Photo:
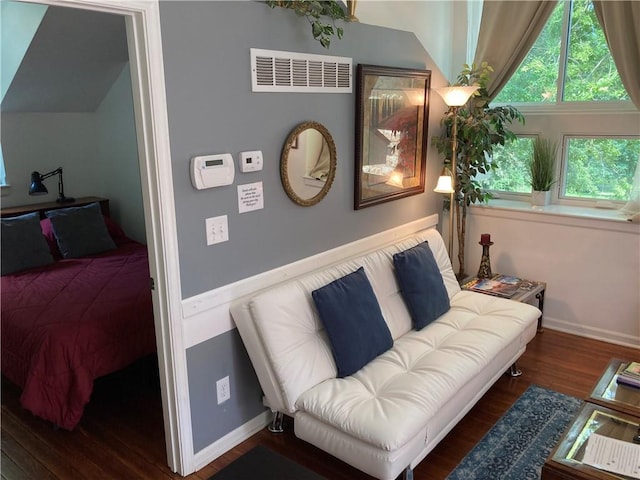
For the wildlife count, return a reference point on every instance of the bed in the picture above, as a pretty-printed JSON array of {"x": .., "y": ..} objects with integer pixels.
[{"x": 72, "y": 318}]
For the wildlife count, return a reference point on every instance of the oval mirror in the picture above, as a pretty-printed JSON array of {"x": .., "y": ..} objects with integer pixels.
[{"x": 308, "y": 163}]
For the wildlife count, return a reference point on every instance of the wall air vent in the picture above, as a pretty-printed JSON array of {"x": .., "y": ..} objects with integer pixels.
[{"x": 274, "y": 71}]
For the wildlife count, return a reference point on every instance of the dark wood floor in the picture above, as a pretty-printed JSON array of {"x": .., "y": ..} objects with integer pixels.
[{"x": 121, "y": 435}]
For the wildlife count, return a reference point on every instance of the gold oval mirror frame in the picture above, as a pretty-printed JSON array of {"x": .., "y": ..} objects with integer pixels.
[{"x": 308, "y": 163}]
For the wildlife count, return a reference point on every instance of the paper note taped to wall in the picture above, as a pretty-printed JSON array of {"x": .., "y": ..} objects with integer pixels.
[{"x": 250, "y": 197}]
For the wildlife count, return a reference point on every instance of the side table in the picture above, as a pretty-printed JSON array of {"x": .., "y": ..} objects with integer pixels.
[{"x": 528, "y": 290}]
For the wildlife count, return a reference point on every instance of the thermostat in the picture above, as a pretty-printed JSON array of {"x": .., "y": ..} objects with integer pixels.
[
  {"x": 212, "y": 171},
  {"x": 250, "y": 161}
]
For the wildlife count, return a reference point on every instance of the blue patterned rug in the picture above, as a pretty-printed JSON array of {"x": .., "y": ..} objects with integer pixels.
[{"x": 516, "y": 447}]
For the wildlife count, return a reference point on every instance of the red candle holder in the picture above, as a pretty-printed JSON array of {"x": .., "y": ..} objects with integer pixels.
[{"x": 485, "y": 263}]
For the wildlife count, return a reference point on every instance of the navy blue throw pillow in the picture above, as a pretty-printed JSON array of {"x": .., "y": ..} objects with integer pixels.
[
  {"x": 23, "y": 245},
  {"x": 80, "y": 231},
  {"x": 350, "y": 313},
  {"x": 421, "y": 284}
]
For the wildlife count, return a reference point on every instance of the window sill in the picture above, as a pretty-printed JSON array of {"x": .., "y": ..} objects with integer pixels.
[{"x": 590, "y": 217}]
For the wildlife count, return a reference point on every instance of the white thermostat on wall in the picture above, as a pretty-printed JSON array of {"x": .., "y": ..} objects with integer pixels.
[{"x": 209, "y": 171}]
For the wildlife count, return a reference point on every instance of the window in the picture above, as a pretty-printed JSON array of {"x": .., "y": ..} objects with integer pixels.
[
  {"x": 3, "y": 174},
  {"x": 599, "y": 168},
  {"x": 512, "y": 174},
  {"x": 571, "y": 47},
  {"x": 569, "y": 90}
]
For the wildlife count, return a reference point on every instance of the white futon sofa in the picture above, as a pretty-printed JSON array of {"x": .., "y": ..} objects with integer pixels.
[{"x": 385, "y": 418}]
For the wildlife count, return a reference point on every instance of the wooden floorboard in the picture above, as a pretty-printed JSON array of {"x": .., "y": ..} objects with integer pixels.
[{"x": 121, "y": 433}]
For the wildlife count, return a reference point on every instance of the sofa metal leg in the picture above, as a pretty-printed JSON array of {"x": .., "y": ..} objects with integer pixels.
[
  {"x": 407, "y": 474},
  {"x": 514, "y": 371},
  {"x": 276, "y": 423}
]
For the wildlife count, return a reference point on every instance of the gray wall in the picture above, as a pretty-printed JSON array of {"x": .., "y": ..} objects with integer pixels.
[
  {"x": 118, "y": 157},
  {"x": 212, "y": 110},
  {"x": 44, "y": 142},
  {"x": 208, "y": 362}
]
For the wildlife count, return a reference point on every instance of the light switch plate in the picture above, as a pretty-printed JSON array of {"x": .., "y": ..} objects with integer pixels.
[
  {"x": 217, "y": 229},
  {"x": 250, "y": 161}
]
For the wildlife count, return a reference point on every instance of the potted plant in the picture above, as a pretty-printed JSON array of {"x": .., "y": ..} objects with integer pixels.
[
  {"x": 480, "y": 127},
  {"x": 315, "y": 11},
  {"x": 542, "y": 169}
]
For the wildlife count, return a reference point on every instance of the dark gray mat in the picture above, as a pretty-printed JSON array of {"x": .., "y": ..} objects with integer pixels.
[{"x": 265, "y": 464}]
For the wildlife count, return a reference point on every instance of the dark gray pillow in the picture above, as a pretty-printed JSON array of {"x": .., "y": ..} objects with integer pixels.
[
  {"x": 23, "y": 245},
  {"x": 80, "y": 231}
]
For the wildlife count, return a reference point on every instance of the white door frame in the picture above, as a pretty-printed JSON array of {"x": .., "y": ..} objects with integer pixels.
[{"x": 152, "y": 129}]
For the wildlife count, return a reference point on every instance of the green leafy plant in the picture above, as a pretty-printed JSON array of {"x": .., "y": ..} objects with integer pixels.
[
  {"x": 480, "y": 127},
  {"x": 542, "y": 164},
  {"x": 315, "y": 11}
]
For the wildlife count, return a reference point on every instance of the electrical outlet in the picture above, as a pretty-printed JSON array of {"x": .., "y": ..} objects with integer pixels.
[{"x": 223, "y": 390}]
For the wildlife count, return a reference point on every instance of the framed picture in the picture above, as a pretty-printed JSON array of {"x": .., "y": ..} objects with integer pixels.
[{"x": 392, "y": 111}]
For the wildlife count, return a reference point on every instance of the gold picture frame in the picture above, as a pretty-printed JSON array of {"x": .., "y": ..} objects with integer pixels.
[{"x": 392, "y": 112}]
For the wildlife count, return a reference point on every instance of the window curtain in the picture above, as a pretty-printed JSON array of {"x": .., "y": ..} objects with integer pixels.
[
  {"x": 507, "y": 31},
  {"x": 621, "y": 24}
]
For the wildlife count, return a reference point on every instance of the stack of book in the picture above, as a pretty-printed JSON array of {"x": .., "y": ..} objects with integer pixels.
[{"x": 630, "y": 375}]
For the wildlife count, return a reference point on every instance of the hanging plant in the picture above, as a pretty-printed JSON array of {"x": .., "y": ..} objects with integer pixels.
[{"x": 316, "y": 11}]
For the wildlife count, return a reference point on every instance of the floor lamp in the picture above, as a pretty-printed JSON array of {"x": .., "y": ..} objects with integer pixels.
[{"x": 454, "y": 97}]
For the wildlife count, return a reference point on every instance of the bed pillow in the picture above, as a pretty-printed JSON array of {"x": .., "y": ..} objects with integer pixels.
[
  {"x": 80, "y": 231},
  {"x": 115, "y": 231},
  {"x": 421, "y": 284},
  {"x": 350, "y": 313},
  {"x": 23, "y": 245}
]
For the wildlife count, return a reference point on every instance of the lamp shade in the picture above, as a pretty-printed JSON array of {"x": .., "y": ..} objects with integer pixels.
[
  {"x": 457, "y": 95},
  {"x": 37, "y": 187},
  {"x": 444, "y": 185},
  {"x": 445, "y": 182}
]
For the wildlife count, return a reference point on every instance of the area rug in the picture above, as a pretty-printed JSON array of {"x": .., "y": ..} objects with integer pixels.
[
  {"x": 264, "y": 464},
  {"x": 516, "y": 447}
]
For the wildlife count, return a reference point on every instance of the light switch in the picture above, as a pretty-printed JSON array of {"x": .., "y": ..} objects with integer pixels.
[
  {"x": 250, "y": 161},
  {"x": 217, "y": 229}
]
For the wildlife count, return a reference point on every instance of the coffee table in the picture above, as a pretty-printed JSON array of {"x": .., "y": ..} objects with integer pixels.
[{"x": 612, "y": 410}]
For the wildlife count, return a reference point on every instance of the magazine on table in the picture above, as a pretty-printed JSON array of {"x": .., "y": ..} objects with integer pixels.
[{"x": 499, "y": 285}]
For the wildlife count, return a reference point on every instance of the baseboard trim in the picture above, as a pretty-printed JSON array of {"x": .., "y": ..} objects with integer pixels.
[
  {"x": 591, "y": 332},
  {"x": 230, "y": 440}
]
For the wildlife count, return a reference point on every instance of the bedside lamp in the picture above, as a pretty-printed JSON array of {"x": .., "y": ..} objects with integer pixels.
[{"x": 38, "y": 188}]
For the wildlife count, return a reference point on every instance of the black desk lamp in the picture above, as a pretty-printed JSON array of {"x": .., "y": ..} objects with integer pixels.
[{"x": 38, "y": 188}]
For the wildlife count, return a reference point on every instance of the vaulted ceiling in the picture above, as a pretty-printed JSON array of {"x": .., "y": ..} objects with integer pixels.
[{"x": 71, "y": 63}]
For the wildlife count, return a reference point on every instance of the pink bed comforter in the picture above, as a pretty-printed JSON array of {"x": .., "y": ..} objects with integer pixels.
[{"x": 69, "y": 323}]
